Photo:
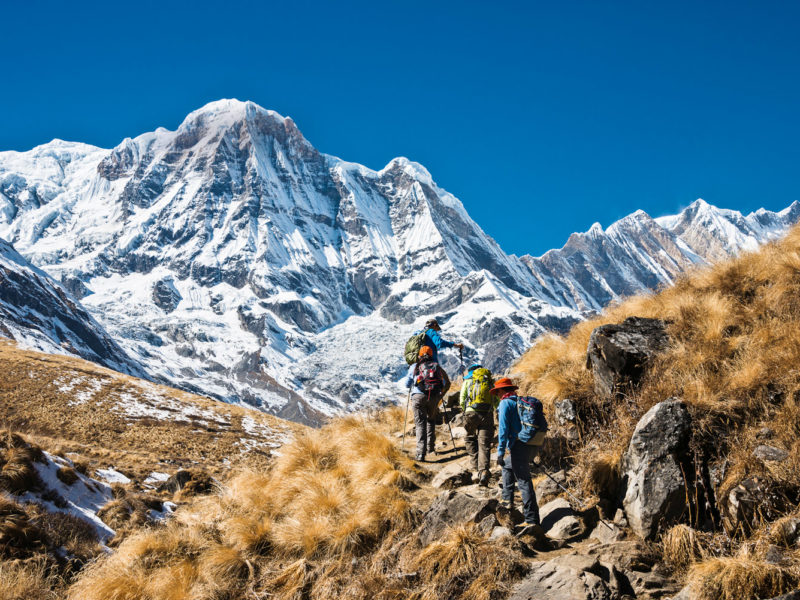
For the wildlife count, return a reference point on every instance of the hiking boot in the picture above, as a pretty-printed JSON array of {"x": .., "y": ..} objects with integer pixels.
[
  {"x": 475, "y": 477},
  {"x": 533, "y": 529},
  {"x": 483, "y": 479},
  {"x": 420, "y": 457}
]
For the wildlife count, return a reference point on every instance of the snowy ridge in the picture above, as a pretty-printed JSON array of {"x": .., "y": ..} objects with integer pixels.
[{"x": 232, "y": 258}]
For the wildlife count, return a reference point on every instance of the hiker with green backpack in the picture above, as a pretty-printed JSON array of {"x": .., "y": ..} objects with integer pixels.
[
  {"x": 478, "y": 405},
  {"x": 428, "y": 336}
]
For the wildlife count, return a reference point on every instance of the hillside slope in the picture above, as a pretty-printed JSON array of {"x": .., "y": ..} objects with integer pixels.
[{"x": 734, "y": 332}]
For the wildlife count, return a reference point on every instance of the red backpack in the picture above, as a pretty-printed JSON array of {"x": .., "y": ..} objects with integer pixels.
[{"x": 428, "y": 378}]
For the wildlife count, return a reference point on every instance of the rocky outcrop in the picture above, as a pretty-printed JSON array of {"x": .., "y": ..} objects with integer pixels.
[
  {"x": 454, "y": 508},
  {"x": 653, "y": 468},
  {"x": 165, "y": 296},
  {"x": 453, "y": 475},
  {"x": 599, "y": 572},
  {"x": 618, "y": 354}
]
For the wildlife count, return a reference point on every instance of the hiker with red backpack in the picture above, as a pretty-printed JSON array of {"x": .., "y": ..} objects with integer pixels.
[
  {"x": 478, "y": 405},
  {"x": 522, "y": 428},
  {"x": 427, "y": 382}
]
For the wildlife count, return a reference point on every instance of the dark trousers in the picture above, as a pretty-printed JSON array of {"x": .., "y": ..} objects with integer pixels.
[
  {"x": 480, "y": 432},
  {"x": 517, "y": 468},
  {"x": 424, "y": 408}
]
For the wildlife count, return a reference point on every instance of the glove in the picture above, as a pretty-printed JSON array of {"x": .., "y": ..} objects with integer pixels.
[
  {"x": 459, "y": 346},
  {"x": 500, "y": 462}
]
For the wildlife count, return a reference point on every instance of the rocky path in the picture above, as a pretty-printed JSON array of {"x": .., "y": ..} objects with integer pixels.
[{"x": 582, "y": 557}]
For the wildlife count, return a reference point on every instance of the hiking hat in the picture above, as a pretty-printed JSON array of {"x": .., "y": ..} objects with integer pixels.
[
  {"x": 425, "y": 351},
  {"x": 504, "y": 383},
  {"x": 432, "y": 324}
]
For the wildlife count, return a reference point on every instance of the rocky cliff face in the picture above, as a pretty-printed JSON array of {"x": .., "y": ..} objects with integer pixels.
[
  {"x": 232, "y": 258},
  {"x": 37, "y": 312}
]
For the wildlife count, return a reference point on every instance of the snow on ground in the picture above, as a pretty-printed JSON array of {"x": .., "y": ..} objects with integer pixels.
[
  {"x": 83, "y": 499},
  {"x": 111, "y": 475}
]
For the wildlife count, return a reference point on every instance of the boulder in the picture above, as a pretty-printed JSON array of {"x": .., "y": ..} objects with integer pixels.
[
  {"x": 559, "y": 521},
  {"x": 452, "y": 475},
  {"x": 770, "y": 453},
  {"x": 565, "y": 411},
  {"x": 607, "y": 532},
  {"x": 488, "y": 524},
  {"x": 547, "y": 487},
  {"x": 618, "y": 354},
  {"x": 458, "y": 433},
  {"x": 569, "y": 576},
  {"x": 499, "y": 532},
  {"x": 453, "y": 508},
  {"x": 653, "y": 478}
]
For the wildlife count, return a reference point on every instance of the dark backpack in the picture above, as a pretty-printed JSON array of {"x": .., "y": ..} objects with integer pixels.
[
  {"x": 428, "y": 378},
  {"x": 534, "y": 425},
  {"x": 413, "y": 345}
]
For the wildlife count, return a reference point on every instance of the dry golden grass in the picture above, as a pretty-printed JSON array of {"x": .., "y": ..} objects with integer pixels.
[
  {"x": 331, "y": 518},
  {"x": 681, "y": 546},
  {"x": 740, "y": 578},
  {"x": 78, "y": 409},
  {"x": 26, "y": 581}
]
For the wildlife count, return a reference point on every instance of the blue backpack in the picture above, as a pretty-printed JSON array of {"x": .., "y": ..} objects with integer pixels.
[{"x": 534, "y": 425}]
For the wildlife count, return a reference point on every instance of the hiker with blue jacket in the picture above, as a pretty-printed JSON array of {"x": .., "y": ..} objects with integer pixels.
[
  {"x": 434, "y": 339},
  {"x": 478, "y": 405},
  {"x": 428, "y": 382},
  {"x": 522, "y": 426}
]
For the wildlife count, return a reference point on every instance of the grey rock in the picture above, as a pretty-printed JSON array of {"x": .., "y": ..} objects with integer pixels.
[
  {"x": 570, "y": 576},
  {"x": 499, "y": 532},
  {"x": 165, "y": 295},
  {"x": 618, "y": 354},
  {"x": 559, "y": 521},
  {"x": 655, "y": 491},
  {"x": 488, "y": 524},
  {"x": 565, "y": 411},
  {"x": 794, "y": 595},
  {"x": 607, "y": 532},
  {"x": 547, "y": 487},
  {"x": 453, "y": 508},
  {"x": 458, "y": 432},
  {"x": 452, "y": 475},
  {"x": 770, "y": 453}
]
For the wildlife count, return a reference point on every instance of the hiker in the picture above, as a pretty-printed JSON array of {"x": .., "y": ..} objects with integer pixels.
[
  {"x": 428, "y": 382},
  {"x": 478, "y": 404},
  {"x": 515, "y": 449},
  {"x": 434, "y": 340}
]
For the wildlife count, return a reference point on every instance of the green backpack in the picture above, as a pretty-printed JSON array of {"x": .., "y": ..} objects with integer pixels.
[
  {"x": 479, "y": 396},
  {"x": 413, "y": 345}
]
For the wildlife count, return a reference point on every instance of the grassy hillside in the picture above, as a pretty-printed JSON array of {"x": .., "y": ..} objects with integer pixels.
[
  {"x": 735, "y": 359},
  {"x": 73, "y": 406}
]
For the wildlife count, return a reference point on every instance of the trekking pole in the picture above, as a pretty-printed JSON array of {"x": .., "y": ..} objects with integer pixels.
[
  {"x": 580, "y": 504},
  {"x": 461, "y": 360},
  {"x": 405, "y": 422},
  {"x": 452, "y": 439}
]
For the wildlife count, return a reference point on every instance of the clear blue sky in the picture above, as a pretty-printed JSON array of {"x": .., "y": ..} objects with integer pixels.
[{"x": 542, "y": 117}]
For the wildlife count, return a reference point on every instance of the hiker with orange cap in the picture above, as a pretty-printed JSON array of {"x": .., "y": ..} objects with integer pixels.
[
  {"x": 521, "y": 432},
  {"x": 428, "y": 382}
]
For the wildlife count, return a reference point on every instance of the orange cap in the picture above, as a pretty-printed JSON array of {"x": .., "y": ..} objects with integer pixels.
[
  {"x": 425, "y": 351},
  {"x": 503, "y": 383}
]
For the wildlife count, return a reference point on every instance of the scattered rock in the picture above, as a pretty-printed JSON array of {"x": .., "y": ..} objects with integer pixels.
[
  {"x": 453, "y": 508},
  {"x": 776, "y": 556},
  {"x": 606, "y": 532},
  {"x": 655, "y": 490},
  {"x": 565, "y": 411},
  {"x": 770, "y": 453},
  {"x": 458, "y": 420},
  {"x": 569, "y": 576},
  {"x": 488, "y": 524},
  {"x": 451, "y": 476},
  {"x": 165, "y": 295},
  {"x": 765, "y": 433},
  {"x": 499, "y": 532},
  {"x": 618, "y": 354},
  {"x": 458, "y": 433},
  {"x": 547, "y": 487},
  {"x": 559, "y": 521}
]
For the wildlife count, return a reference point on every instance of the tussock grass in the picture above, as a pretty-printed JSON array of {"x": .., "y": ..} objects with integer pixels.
[
  {"x": 332, "y": 518},
  {"x": 26, "y": 581},
  {"x": 681, "y": 546},
  {"x": 740, "y": 578}
]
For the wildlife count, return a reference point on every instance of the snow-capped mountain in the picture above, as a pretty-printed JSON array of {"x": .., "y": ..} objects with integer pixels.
[
  {"x": 37, "y": 312},
  {"x": 231, "y": 257}
]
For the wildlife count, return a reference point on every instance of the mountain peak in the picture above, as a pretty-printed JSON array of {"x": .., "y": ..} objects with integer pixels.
[
  {"x": 411, "y": 168},
  {"x": 229, "y": 111}
]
